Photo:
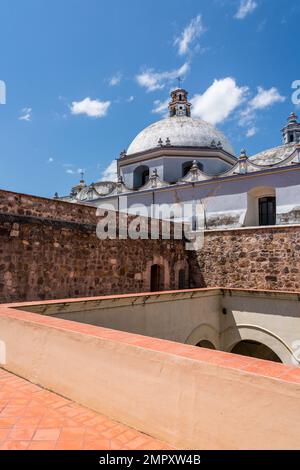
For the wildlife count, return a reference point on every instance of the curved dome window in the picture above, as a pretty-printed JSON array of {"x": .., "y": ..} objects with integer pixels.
[
  {"x": 140, "y": 176},
  {"x": 188, "y": 165}
]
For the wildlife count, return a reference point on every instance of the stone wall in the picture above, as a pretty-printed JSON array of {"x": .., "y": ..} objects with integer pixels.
[
  {"x": 34, "y": 206},
  {"x": 49, "y": 249},
  {"x": 259, "y": 258}
]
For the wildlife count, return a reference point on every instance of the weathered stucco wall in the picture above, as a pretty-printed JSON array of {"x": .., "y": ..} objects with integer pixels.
[
  {"x": 224, "y": 317},
  {"x": 49, "y": 249},
  {"x": 259, "y": 258},
  {"x": 191, "y": 397}
]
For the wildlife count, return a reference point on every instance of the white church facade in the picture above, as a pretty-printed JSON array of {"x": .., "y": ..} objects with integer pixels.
[{"x": 179, "y": 159}]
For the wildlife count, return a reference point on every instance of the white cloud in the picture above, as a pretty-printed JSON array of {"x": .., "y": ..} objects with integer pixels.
[
  {"x": 219, "y": 100},
  {"x": 110, "y": 173},
  {"x": 152, "y": 80},
  {"x": 262, "y": 100},
  {"x": 251, "y": 132},
  {"x": 92, "y": 108},
  {"x": 160, "y": 107},
  {"x": 26, "y": 114},
  {"x": 115, "y": 79},
  {"x": 247, "y": 117},
  {"x": 245, "y": 8},
  {"x": 266, "y": 98},
  {"x": 191, "y": 32},
  {"x": 75, "y": 171}
]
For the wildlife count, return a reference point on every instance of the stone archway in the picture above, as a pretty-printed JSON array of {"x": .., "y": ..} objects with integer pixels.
[
  {"x": 181, "y": 275},
  {"x": 157, "y": 278},
  {"x": 163, "y": 274}
]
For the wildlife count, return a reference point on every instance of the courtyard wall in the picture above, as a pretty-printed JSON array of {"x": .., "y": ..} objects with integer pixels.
[
  {"x": 257, "y": 257},
  {"x": 49, "y": 249}
]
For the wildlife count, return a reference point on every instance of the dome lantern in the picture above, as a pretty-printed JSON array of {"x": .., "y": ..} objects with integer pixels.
[
  {"x": 179, "y": 129},
  {"x": 179, "y": 105},
  {"x": 291, "y": 132}
]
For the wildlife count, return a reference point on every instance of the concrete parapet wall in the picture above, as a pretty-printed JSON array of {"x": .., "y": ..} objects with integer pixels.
[{"x": 190, "y": 397}]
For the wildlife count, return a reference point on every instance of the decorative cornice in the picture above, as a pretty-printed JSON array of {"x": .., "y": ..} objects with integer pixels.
[
  {"x": 175, "y": 151},
  {"x": 234, "y": 177}
]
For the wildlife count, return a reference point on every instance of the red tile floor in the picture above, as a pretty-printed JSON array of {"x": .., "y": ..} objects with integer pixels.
[{"x": 34, "y": 418}]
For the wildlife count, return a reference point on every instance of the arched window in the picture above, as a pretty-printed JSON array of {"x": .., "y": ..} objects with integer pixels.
[
  {"x": 261, "y": 206},
  {"x": 140, "y": 176},
  {"x": 145, "y": 177},
  {"x": 267, "y": 210},
  {"x": 188, "y": 165}
]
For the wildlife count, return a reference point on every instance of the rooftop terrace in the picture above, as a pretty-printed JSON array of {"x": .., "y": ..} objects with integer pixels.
[
  {"x": 185, "y": 396},
  {"x": 34, "y": 418}
]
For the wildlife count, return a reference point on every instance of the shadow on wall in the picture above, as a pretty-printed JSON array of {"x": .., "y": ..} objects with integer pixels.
[
  {"x": 196, "y": 278},
  {"x": 251, "y": 339},
  {"x": 255, "y": 349},
  {"x": 245, "y": 340}
]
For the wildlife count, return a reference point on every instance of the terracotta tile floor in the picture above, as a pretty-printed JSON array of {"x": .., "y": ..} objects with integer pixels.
[{"x": 34, "y": 418}]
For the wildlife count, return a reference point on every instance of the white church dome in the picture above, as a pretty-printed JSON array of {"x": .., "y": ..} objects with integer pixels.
[{"x": 183, "y": 131}]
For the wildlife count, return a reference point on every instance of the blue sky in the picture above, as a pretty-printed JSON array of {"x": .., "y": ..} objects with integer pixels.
[{"x": 83, "y": 77}]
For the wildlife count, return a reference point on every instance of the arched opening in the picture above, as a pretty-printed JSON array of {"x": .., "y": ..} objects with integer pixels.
[
  {"x": 181, "y": 279},
  {"x": 156, "y": 278},
  {"x": 255, "y": 349},
  {"x": 205, "y": 344},
  {"x": 188, "y": 165},
  {"x": 140, "y": 176},
  {"x": 261, "y": 207}
]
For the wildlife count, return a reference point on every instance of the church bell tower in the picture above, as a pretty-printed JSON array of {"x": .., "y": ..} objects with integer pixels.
[
  {"x": 291, "y": 132},
  {"x": 179, "y": 105}
]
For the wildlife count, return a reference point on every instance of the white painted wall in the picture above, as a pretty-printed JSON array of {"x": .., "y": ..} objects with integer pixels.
[
  {"x": 170, "y": 168},
  {"x": 235, "y": 196}
]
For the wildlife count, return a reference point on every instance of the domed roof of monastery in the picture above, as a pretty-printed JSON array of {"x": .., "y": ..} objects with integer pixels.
[
  {"x": 274, "y": 155},
  {"x": 182, "y": 131}
]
